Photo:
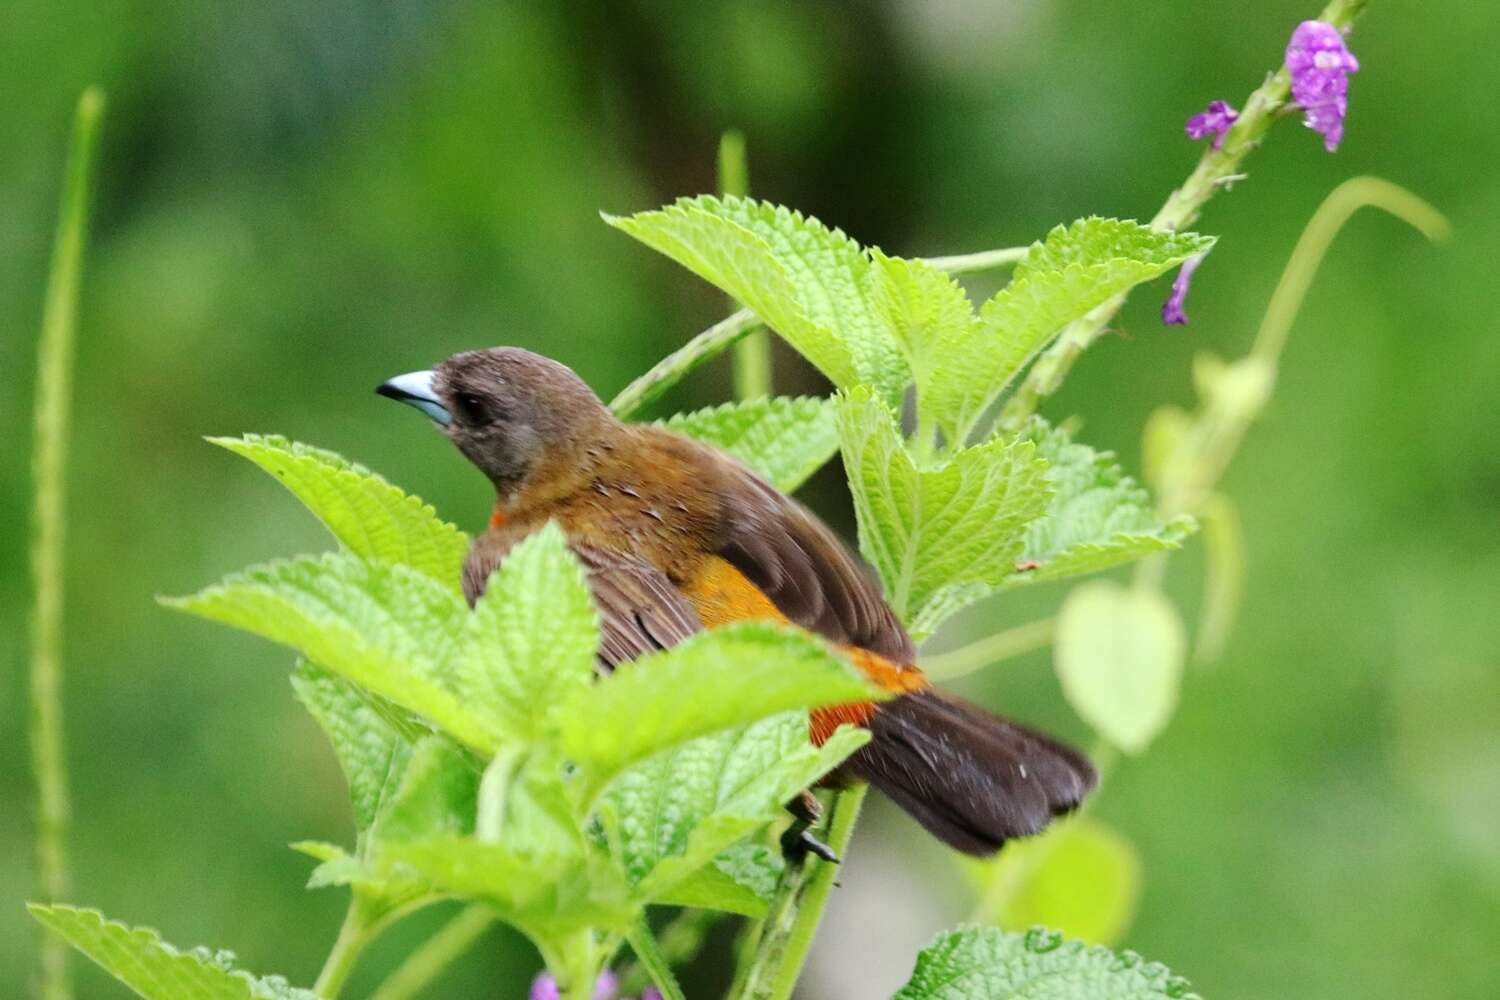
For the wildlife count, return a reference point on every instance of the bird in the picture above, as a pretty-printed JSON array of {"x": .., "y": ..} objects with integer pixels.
[{"x": 676, "y": 536}]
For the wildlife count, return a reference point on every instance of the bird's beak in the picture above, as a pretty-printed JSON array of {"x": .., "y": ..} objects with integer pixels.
[{"x": 415, "y": 389}]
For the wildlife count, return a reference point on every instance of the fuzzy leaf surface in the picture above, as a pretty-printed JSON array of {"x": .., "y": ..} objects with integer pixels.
[
  {"x": 783, "y": 439},
  {"x": 530, "y": 642},
  {"x": 369, "y": 516},
  {"x": 740, "y": 879},
  {"x": 983, "y": 963},
  {"x": 436, "y": 796},
  {"x": 370, "y": 751},
  {"x": 806, "y": 281},
  {"x": 938, "y": 536},
  {"x": 388, "y": 628},
  {"x": 1098, "y": 516},
  {"x": 139, "y": 958},
  {"x": 675, "y": 813},
  {"x": 1075, "y": 269},
  {"x": 932, "y": 320},
  {"x": 547, "y": 894},
  {"x": 716, "y": 680}
]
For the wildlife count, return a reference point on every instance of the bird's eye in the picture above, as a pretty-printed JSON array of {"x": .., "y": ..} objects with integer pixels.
[{"x": 472, "y": 409}]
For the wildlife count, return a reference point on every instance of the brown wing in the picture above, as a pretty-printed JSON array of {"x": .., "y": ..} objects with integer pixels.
[
  {"x": 640, "y": 611},
  {"x": 805, "y": 569}
]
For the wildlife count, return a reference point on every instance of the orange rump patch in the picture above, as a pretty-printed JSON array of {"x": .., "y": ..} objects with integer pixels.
[{"x": 722, "y": 594}]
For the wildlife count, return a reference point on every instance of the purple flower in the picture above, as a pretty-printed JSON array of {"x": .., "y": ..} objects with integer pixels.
[
  {"x": 544, "y": 987},
  {"x": 1172, "y": 313},
  {"x": 1320, "y": 63},
  {"x": 651, "y": 993},
  {"x": 1213, "y": 120}
]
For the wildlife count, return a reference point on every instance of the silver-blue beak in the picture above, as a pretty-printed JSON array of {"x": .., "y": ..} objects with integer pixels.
[{"x": 415, "y": 389}]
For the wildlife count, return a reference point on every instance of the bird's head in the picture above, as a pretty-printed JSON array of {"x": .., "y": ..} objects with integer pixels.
[{"x": 514, "y": 414}]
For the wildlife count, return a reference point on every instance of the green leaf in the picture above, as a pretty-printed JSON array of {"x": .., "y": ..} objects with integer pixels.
[
  {"x": 1120, "y": 244},
  {"x": 982, "y": 963},
  {"x": 436, "y": 797},
  {"x": 510, "y": 879},
  {"x": 932, "y": 320},
  {"x": 1076, "y": 269},
  {"x": 523, "y": 802},
  {"x": 1080, "y": 876},
  {"x": 530, "y": 642},
  {"x": 718, "y": 679},
  {"x": 342, "y": 868},
  {"x": 389, "y": 629},
  {"x": 139, "y": 958},
  {"x": 370, "y": 752},
  {"x": 939, "y": 536},
  {"x": 369, "y": 516},
  {"x": 1098, "y": 516},
  {"x": 807, "y": 282},
  {"x": 1119, "y": 654},
  {"x": 785, "y": 440},
  {"x": 547, "y": 894},
  {"x": 739, "y": 880},
  {"x": 675, "y": 813}
]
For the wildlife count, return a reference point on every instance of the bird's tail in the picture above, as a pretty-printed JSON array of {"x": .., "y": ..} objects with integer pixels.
[{"x": 971, "y": 778}]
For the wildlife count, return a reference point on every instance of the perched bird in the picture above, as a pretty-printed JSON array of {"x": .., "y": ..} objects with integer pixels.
[{"x": 676, "y": 536}]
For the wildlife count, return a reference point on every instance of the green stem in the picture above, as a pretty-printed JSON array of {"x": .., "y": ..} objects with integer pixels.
[
  {"x": 707, "y": 345},
  {"x": 650, "y": 955},
  {"x": 435, "y": 954},
  {"x": 361, "y": 923},
  {"x": 984, "y": 260},
  {"x": 1151, "y": 571},
  {"x": 1215, "y": 169},
  {"x": 679, "y": 941},
  {"x": 752, "y": 354},
  {"x": 1302, "y": 266},
  {"x": 980, "y": 653},
  {"x": 746, "y": 945},
  {"x": 670, "y": 370},
  {"x": 54, "y": 391},
  {"x": 582, "y": 963},
  {"x": 1225, "y": 419},
  {"x": 797, "y": 908}
]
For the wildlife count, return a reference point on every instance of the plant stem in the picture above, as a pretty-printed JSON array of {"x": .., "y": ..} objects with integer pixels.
[
  {"x": 752, "y": 354},
  {"x": 1182, "y": 207},
  {"x": 792, "y": 920},
  {"x": 980, "y": 653},
  {"x": 54, "y": 391},
  {"x": 669, "y": 370},
  {"x": 582, "y": 963},
  {"x": 1225, "y": 417},
  {"x": 984, "y": 260},
  {"x": 649, "y": 954},
  {"x": 361, "y": 923},
  {"x": 706, "y": 346},
  {"x": 745, "y": 951},
  {"x": 679, "y": 941},
  {"x": 435, "y": 954},
  {"x": 1302, "y": 266}
]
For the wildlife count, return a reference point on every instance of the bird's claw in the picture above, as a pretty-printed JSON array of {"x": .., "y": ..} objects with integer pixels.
[{"x": 798, "y": 842}]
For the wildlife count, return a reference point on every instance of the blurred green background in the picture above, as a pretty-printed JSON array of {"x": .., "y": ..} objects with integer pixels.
[{"x": 298, "y": 199}]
